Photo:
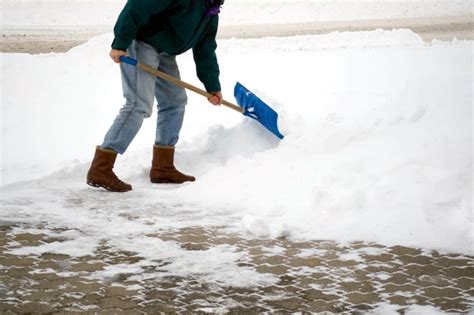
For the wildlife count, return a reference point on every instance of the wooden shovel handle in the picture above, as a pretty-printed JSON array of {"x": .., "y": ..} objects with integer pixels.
[{"x": 185, "y": 85}]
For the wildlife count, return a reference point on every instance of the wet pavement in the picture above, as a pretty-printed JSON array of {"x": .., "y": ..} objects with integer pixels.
[{"x": 310, "y": 276}]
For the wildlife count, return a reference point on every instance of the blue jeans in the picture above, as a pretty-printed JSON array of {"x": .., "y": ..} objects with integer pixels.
[{"x": 140, "y": 89}]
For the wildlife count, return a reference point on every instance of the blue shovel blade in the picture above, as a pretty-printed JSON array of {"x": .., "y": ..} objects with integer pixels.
[{"x": 255, "y": 108}]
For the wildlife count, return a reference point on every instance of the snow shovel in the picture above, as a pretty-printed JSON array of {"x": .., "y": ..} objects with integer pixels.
[{"x": 250, "y": 105}]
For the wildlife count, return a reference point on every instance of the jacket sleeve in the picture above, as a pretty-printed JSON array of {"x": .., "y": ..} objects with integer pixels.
[
  {"x": 205, "y": 58},
  {"x": 134, "y": 15}
]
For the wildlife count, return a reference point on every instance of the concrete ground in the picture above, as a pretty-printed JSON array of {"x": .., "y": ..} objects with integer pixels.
[
  {"x": 60, "y": 40},
  {"x": 315, "y": 276}
]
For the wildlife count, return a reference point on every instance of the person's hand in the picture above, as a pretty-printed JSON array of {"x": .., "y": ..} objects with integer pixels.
[
  {"x": 216, "y": 98},
  {"x": 116, "y": 54}
]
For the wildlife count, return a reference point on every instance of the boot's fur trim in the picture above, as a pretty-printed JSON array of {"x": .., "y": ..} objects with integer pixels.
[
  {"x": 105, "y": 149},
  {"x": 164, "y": 146}
]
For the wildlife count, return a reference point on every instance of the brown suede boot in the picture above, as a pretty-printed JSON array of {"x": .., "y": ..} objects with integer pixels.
[
  {"x": 162, "y": 167},
  {"x": 100, "y": 173}
]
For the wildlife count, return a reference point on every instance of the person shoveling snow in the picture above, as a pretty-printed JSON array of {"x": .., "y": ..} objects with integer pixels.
[
  {"x": 148, "y": 37},
  {"x": 155, "y": 32}
]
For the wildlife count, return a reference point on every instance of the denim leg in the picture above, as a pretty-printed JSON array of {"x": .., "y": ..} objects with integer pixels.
[
  {"x": 172, "y": 100},
  {"x": 138, "y": 90}
]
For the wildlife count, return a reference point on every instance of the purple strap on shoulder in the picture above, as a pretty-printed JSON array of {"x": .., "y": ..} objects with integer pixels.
[{"x": 214, "y": 10}]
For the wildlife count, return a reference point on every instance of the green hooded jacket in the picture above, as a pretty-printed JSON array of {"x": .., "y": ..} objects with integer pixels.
[{"x": 173, "y": 26}]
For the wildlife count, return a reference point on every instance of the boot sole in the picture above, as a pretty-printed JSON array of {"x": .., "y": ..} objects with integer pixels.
[
  {"x": 165, "y": 181},
  {"x": 97, "y": 185}
]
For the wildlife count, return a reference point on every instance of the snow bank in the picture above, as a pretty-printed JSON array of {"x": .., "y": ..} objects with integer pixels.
[{"x": 378, "y": 142}]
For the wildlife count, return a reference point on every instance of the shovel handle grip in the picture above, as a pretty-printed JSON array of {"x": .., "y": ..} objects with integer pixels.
[
  {"x": 128, "y": 60},
  {"x": 178, "y": 82}
]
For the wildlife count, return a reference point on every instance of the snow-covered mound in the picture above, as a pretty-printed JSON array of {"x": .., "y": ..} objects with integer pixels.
[{"x": 378, "y": 142}]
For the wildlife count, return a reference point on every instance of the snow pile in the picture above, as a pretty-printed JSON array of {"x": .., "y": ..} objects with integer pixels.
[{"x": 378, "y": 142}]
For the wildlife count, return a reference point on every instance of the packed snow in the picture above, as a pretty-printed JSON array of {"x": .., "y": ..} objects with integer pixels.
[{"x": 378, "y": 145}]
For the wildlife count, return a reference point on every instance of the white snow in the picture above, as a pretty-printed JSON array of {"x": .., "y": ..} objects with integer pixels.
[
  {"x": 386, "y": 309},
  {"x": 102, "y": 14},
  {"x": 382, "y": 276},
  {"x": 378, "y": 144}
]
